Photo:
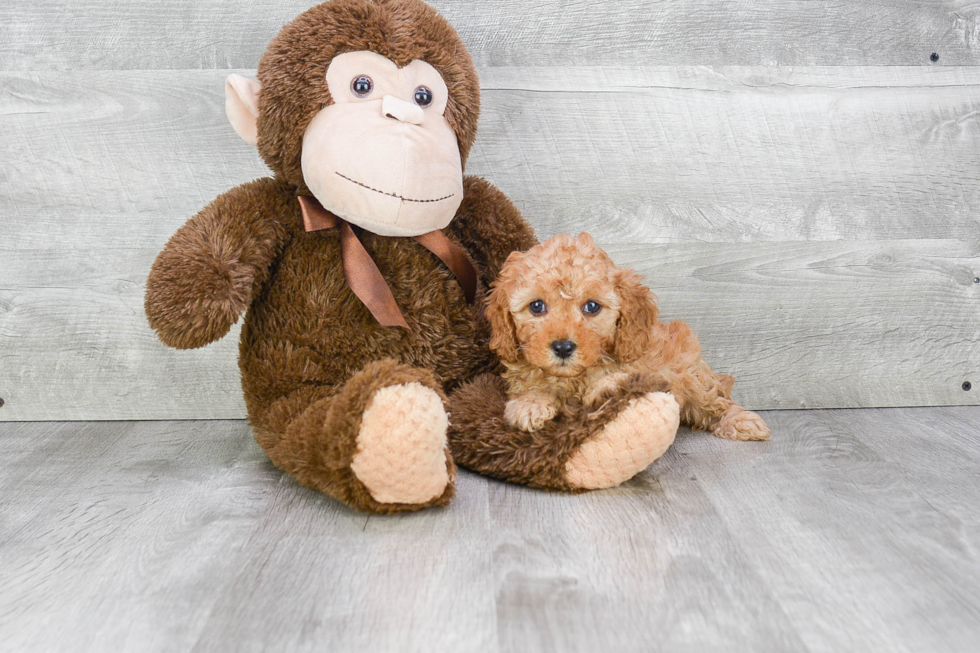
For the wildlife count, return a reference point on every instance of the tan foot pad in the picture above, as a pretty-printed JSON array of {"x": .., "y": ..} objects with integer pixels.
[
  {"x": 401, "y": 447},
  {"x": 639, "y": 435}
]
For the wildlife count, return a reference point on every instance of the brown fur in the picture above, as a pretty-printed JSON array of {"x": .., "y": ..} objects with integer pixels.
[
  {"x": 293, "y": 67},
  {"x": 311, "y": 434},
  {"x": 481, "y": 440},
  {"x": 623, "y": 338},
  {"x": 311, "y": 355}
]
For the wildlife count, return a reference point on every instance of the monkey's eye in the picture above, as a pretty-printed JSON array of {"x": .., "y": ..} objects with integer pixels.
[
  {"x": 361, "y": 86},
  {"x": 423, "y": 96},
  {"x": 591, "y": 307},
  {"x": 537, "y": 307}
]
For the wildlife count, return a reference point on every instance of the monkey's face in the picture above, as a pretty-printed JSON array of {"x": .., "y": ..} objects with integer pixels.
[
  {"x": 353, "y": 106},
  {"x": 383, "y": 155}
]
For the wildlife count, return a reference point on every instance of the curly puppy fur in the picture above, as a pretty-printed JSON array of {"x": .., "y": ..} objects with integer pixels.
[
  {"x": 570, "y": 277},
  {"x": 312, "y": 357}
]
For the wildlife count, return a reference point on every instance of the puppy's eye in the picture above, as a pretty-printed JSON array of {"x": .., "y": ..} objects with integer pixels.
[
  {"x": 537, "y": 307},
  {"x": 591, "y": 307},
  {"x": 423, "y": 96},
  {"x": 361, "y": 86}
]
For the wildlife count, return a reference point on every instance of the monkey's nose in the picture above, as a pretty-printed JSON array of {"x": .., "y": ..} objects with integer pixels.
[
  {"x": 392, "y": 107},
  {"x": 563, "y": 348}
]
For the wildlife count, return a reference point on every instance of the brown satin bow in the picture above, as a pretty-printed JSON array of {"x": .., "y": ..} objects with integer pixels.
[{"x": 362, "y": 273}]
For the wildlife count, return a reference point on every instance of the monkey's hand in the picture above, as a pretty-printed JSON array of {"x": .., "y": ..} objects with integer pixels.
[
  {"x": 530, "y": 412},
  {"x": 203, "y": 280}
]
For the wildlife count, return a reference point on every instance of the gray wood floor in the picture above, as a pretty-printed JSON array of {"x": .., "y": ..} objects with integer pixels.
[{"x": 851, "y": 531}]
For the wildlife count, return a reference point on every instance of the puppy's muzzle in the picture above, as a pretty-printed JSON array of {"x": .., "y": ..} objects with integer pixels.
[{"x": 563, "y": 348}]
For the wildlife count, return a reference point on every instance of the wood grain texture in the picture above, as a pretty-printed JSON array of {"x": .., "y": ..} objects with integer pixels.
[
  {"x": 126, "y": 34},
  {"x": 815, "y": 325},
  {"x": 859, "y": 487},
  {"x": 801, "y": 325},
  {"x": 737, "y": 154},
  {"x": 671, "y": 154},
  {"x": 725, "y": 174},
  {"x": 850, "y": 530}
]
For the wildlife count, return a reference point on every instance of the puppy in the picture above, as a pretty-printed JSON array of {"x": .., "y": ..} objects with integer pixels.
[{"x": 571, "y": 327}]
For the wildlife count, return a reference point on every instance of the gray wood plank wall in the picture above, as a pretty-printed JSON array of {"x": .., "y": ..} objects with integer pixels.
[{"x": 797, "y": 180}]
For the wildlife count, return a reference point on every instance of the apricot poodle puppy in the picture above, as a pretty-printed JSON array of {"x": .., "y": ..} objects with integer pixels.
[{"x": 571, "y": 327}]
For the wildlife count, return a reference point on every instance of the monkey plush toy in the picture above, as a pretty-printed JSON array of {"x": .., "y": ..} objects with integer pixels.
[{"x": 362, "y": 263}]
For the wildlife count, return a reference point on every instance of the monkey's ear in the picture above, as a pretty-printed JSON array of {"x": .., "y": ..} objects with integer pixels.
[{"x": 242, "y": 106}]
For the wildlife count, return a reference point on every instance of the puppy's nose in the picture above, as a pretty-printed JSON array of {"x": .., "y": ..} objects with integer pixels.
[{"x": 563, "y": 348}]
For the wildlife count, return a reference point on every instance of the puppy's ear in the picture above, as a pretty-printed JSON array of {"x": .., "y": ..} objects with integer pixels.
[
  {"x": 504, "y": 338},
  {"x": 638, "y": 314}
]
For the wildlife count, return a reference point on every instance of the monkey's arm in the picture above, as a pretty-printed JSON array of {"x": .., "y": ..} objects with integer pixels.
[
  {"x": 205, "y": 277},
  {"x": 490, "y": 226}
]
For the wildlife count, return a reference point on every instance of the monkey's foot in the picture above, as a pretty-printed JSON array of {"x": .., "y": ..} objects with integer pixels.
[
  {"x": 401, "y": 445},
  {"x": 627, "y": 445},
  {"x": 740, "y": 424}
]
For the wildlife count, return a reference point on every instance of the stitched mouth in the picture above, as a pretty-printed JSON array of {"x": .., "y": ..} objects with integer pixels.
[{"x": 404, "y": 199}]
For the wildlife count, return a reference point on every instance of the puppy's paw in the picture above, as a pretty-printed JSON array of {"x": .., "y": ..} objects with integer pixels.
[
  {"x": 740, "y": 424},
  {"x": 529, "y": 413},
  {"x": 604, "y": 388}
]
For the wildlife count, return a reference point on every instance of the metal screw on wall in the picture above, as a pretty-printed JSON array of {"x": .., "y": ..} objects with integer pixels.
[
  {"x": 967, "y": 386},
  {"x": 1, "y": 402},
  {"x": 934, "y": 57}
]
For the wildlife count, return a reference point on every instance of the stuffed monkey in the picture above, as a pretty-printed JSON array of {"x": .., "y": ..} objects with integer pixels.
[{"x": 362, "y": 263}]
